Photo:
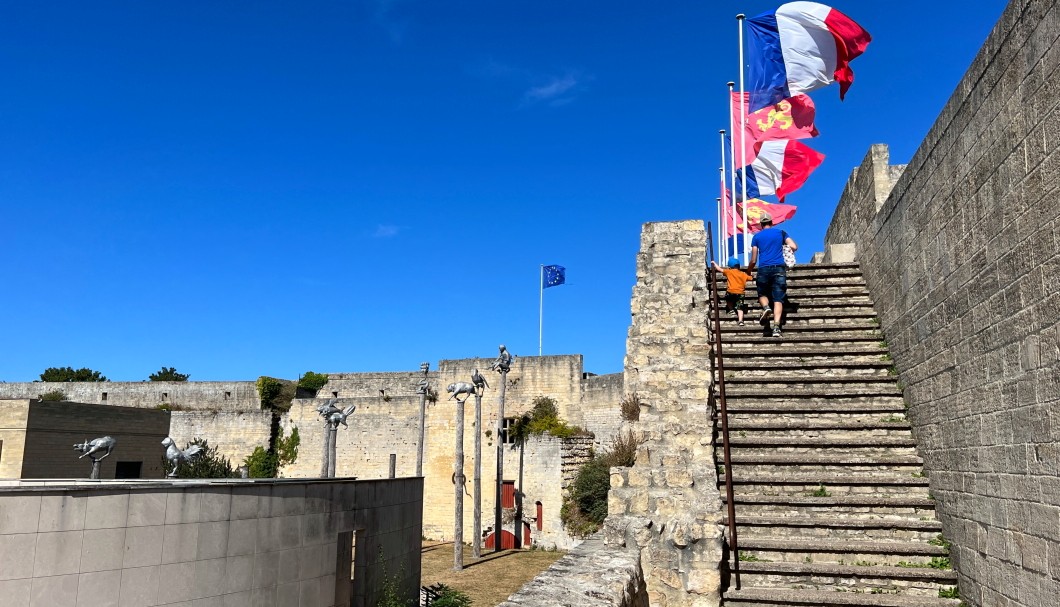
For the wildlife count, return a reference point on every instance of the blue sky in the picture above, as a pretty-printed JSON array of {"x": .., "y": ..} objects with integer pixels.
[{"x": 251, "y": 188}]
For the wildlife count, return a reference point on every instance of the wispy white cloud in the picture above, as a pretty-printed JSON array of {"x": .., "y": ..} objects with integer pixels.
[
  {"x": 550, "y": 90},
  {"x": 558, "y": 90},
  {"x": 385, "y": 231}
]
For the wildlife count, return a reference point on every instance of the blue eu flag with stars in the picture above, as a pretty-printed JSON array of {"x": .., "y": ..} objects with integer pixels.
[{"x": 554, "y": 276}]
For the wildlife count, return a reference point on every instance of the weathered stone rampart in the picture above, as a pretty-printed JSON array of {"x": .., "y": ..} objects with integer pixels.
[
  {"x": 963, "y": 262},
  {"x": 235, "y": 434},
  {"x": 667, "y": 505},
  {"x": 591, "y": 575},
  {"x": 186, "y": 395}
]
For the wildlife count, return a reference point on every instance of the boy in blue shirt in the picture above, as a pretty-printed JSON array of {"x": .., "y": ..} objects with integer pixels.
[{"x": 767, "y": 253}]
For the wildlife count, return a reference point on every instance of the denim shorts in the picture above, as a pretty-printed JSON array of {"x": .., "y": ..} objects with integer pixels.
[{"x": 772, "y": 282}]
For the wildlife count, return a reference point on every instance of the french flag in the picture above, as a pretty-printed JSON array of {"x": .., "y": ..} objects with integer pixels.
[
  {"x": 801, "y": 47},
  {"x": 780, "y": 168}
]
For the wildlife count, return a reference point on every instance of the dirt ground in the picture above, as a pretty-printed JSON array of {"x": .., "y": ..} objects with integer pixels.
[{"x": 488, "y": 580}]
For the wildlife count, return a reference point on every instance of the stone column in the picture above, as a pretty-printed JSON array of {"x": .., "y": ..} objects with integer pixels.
[
  {"x": 458, "y": 485},
  {"x": 497, "y": 527},
  {"x": 476, "y": 525}
]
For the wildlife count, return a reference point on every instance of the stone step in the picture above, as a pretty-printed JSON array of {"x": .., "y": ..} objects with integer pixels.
[
  {"x": 833, "y": 505},
  {"x": 805, "y": 425},
  {"x": 809, "y": 280},
  {"x": 798, "y": 442},
  {"x": 830, "y": 525},
  {"x": 808, "y": 389},
  {"x": 782, "y": 363},
  {"x": 771, "y": 349},
  {"x": 737, "y": 417},
  {"x": 803, "y": 337},
  {"x": 840, "y": 551},
  {"x": 829, "y": 480},
  {"x": 811, "y": 289},
  {"x": 835, "y": 331},
  {"x": 850, "y": 302},
  {"x": 873, "y": 580},
  {"x": 785, "y": 403},
  {"x": 758, "y": 485},
  {"x": 777, "y": 597}
]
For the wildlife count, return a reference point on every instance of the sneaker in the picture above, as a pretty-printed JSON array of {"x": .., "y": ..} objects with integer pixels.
[
  {"x": 741, "y": 323},
  {"x": 776, "y": 330},
  {"x": 766, "y": 314}
]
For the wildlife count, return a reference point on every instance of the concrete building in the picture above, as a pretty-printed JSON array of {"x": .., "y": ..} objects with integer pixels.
[
  {"x": 37, "y": 439},
  {"x": 311, "y": 543}
]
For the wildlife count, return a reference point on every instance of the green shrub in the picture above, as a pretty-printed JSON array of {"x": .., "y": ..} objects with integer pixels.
[
  {"x": 949, "y": 593},
  {"x": 276, "y": 393},
  {"x": 312, "y": 381},
  {"x": 585, "y": 505},
  {"x": 451, "y": 597},
  {"x": 54, "y": 396},
  {"x": 208, "y": 464},
  {"x": 631, "y": 408},
  {"x": 542, "y": 418},
  {"x": 266, "y": 463}
]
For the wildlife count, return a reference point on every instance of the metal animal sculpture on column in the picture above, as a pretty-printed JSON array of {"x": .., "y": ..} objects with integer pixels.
[
  {"x": 175, "y": 455},
  {"x": 93, "y": 449},
  {"x": 333, "y": 417}
]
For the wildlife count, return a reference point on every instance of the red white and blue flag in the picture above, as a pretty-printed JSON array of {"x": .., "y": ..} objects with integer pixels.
[
  {"x": 801, "y": 47},
  {"x": 779, "y": 168}
]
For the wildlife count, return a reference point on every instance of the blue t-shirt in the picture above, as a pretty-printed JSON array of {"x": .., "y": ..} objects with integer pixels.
[{"x": 770, "y": 242}]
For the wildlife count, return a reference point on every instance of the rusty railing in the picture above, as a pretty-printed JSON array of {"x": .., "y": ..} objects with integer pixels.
[{"x": 723, "y": 412}]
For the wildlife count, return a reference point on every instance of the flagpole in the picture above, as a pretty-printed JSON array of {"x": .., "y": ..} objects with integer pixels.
[
  {"x": 732, "y": 171},
  {"x": 540, "y": 310},
  {"x": 721, "y": 227},
  {"x": 743, "y": 142}
]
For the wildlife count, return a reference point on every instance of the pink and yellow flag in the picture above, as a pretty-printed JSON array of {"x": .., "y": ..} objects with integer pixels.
[
  {"x": 755, "y": 207},
  {"x": 789, "y": 119}
]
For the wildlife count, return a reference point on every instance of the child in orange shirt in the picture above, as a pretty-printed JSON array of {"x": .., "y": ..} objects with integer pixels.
[{"x": 737, "y": 284}]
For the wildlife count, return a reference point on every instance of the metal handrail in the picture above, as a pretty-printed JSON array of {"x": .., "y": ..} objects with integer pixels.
[{"x": 727, "y": 457}]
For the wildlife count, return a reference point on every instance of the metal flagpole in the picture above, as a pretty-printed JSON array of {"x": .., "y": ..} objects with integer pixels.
[
  {"x": 732, "y": 170},
  {"x": 722, "y": 228},
  {"x": 721, "y": 249},
  {"x": 541, "y": 310},
  {"x": 743, "y": 142}
]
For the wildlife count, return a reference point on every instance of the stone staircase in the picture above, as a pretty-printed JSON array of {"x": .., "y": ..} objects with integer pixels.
[{"x": 832, "y": 507}]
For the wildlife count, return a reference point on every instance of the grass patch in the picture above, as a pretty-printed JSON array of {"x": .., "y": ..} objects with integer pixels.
[
  {"x": 487, "y": 580},
  {"x": 892, "y": 419},
  {"x": 820, "y": 491},
  {"x": 949, "y": 593},
  {"x": 865, "y": 564},
  {"x": 940, "y": 541},
  {"x": 747, "y": 557},
  {"x": 919, "y": 474}
]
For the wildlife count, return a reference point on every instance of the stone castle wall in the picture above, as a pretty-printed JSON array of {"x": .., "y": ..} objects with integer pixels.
[
  {"x": 378, "y": 428},
  {"x": 963, "y": 262},
  {"x": 667, "y": 505},
  {"x": 187, "y": 395},
  {"x": 235, "y": 434}
]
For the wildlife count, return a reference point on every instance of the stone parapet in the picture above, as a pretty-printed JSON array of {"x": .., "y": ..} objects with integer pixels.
[
  {"x": 667, "y": 505},
  {"x": 592, "y": 575}
]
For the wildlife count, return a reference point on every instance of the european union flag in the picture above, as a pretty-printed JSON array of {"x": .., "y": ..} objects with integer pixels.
[{"x": 553, "y": 276}]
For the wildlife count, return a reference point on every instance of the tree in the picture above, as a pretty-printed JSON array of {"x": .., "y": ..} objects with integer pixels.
[
  {"x": 71, "y": 374},
  {"x": 168, "y": 374},
  {"x": 312, "y": 381}
]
